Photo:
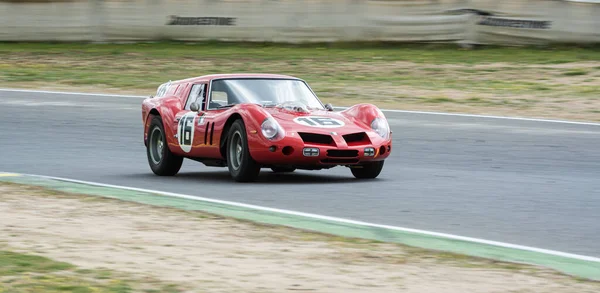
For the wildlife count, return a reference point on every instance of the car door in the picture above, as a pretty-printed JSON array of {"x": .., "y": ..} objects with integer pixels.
[{"x": 190, "y": 127}]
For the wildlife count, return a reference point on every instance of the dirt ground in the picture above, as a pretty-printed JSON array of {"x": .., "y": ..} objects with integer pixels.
[{"x": 205, "y": 253}]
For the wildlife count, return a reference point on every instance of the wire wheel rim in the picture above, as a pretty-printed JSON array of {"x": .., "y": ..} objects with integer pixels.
[
  {"x": 236, "y": 150},
  {"x": 157, "y": 145}
]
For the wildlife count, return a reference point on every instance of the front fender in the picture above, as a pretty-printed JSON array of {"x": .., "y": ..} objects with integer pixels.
[
  {"x": 253, "y": 116},
  {"x": 363, "y": 113}
]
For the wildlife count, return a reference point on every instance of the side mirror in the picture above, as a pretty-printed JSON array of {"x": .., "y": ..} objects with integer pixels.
[
  {"x": 195, "y": 107},
  {"x": 329, "y": 107}
]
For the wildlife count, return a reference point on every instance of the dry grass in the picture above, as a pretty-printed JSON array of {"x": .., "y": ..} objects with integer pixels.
[{"x": 559, "y": 83}]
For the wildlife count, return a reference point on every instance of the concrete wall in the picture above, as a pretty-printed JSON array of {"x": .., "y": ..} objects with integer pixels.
[
  {"x": 544, "y": 21},
  {"x": 467, "y": 21}
]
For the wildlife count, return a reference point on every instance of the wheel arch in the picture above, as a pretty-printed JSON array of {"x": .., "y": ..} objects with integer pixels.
[
  {"x": 223, "y": 139},
  {"x": 153, "y": 112}
]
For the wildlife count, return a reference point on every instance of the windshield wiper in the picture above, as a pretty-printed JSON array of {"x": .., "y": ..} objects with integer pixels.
[{"x": 226, "y": 106}]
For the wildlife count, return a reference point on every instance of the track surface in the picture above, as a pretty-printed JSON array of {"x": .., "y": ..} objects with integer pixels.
[{"x": 522, "y": 182}]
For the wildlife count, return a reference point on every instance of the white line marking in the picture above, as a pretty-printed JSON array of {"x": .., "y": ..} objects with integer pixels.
[
  {"x": 328, "y": 218},
  {"x": 487, "y": 116},
  {"x": 35, "y": 104},
  {"x": 2, "y": 174},
  {"x": 341, "y": 108},
  {"x": 70, "y": 93}
]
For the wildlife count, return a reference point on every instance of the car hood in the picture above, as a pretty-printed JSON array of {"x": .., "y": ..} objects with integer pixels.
[{"x": 317, "y": 121}]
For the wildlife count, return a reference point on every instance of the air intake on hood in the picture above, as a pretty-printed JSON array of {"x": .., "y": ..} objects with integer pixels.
[
  {"x": 316, "y": 138},
  {"x": 359, "y": 138}
]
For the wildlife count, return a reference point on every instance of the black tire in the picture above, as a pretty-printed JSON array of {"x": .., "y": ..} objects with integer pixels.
[
  {"x": 368, "y": 171},
  {"x": 239, "y": 162},
  {"x": 161, "y": 160},
  {"x": 283, "y": 169}
]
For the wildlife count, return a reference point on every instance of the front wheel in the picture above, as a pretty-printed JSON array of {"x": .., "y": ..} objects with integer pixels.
[
  {"x": 241, "y": 166},
  {"x": 368, "y": 171},
  {"x": 161, "y": 160}
]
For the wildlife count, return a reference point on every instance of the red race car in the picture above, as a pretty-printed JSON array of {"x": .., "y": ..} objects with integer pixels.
[{"x": 251, "y": 121}]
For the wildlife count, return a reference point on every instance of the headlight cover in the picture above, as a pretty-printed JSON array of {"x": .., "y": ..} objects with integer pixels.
[
  {"x": 381, "y": 126},
  {"x": 271, "y": 129}
]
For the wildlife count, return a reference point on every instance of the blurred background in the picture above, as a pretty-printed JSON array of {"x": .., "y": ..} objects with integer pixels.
[{"x": 464, "y": 21}]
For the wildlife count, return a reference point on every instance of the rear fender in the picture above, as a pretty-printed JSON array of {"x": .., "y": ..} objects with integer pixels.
[
  {"x": 166, "y": 108},
  {"x": 148, "y": 110}
]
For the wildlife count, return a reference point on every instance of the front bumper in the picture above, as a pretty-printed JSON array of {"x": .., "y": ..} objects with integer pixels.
[{"x": 293, "y": 150}]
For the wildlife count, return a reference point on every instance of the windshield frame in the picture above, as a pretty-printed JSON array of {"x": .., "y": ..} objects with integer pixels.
[{"x": 209, "y": 96}]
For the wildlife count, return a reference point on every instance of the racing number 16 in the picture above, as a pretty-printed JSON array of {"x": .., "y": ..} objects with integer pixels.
[
  {"x": 323, "y": 121},
  {"x": 185, "y": 130}
]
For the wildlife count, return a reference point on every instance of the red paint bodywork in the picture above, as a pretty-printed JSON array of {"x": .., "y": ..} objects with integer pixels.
[{"x": 357, "y": 118}]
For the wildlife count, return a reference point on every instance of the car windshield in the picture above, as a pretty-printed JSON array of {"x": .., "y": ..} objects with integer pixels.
[{"x": 266, "y": 92}]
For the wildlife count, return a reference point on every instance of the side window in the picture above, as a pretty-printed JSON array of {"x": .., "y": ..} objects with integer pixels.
[
  {"x": 180, "y": 89},
  {"x": 196, "y": 95},
  {"x": 218, "y": 95},
  {"x": 161, "y": 90},
  {"x": 218, "y": 99}
]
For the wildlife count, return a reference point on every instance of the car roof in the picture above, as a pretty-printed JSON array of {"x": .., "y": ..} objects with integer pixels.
[{"x": 207, "y": 78}]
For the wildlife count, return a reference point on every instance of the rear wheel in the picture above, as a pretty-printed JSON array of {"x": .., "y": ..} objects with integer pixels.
[
  {"x": 161, "y": 160},
  {"x": 368, "y": 171},
  {"x": 283, "y": 169},
  {"x": 241, "y": 166}
]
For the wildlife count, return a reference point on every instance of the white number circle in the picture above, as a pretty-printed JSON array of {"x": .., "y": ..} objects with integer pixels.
[
  {"x": 322, "y": 122},
  {"x": 185, "y": 131}
]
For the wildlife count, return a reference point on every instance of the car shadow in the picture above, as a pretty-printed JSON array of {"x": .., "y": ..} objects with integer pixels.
[{"x": 265, "y": 177}]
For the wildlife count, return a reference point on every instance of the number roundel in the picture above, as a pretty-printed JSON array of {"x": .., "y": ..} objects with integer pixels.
[
  {"x": 185, "y": 131},
  {"x": 317, "y": 121}
]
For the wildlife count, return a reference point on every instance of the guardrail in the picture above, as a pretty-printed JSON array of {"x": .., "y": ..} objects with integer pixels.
[{"x": 505, "y": 22}]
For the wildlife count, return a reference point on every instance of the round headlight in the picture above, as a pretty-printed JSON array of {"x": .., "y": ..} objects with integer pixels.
[
  {"x": 381, "y": 126},
  {"x": 270, "y": 128}
]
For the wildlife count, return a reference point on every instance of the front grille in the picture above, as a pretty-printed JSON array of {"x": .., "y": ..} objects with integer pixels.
[
  {"x": 339, "y": 161},
  {"x": 342, "y": 153},
  {"x": 359, "y": 138},
  {"x": 316, "y": 138}
]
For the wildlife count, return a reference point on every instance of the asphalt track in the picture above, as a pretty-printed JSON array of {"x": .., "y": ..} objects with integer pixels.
[{"x": 525, "y": 182}]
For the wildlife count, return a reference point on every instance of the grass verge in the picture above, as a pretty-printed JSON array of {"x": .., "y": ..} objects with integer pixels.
[
  {"x": 560, "y": 82},
  {"x": 23, "y": 272}
]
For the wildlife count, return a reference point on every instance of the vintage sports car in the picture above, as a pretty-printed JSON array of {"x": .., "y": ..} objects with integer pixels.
[{"x": 251, "y": 121}]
